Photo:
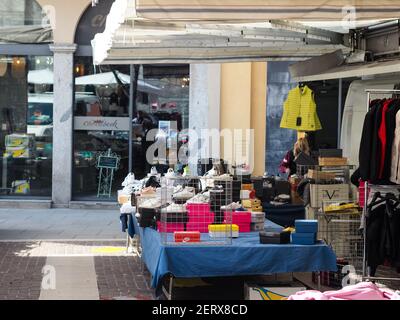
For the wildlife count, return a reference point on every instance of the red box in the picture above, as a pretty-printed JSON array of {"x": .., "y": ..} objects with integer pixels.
[
  {"x": 185, "y": 236},
  {"x": 204, "y": 217},
  {"x": 198, "y": 207},
  {"x": 198, "y": 226},
  {"x": 208, "y": 220},
  {"x": 238, "y": 217},
  {"x": 170, "y": 227}
]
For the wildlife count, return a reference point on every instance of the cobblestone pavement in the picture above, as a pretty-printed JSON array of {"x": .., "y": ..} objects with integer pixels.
[{"x": 119, "y": 275}]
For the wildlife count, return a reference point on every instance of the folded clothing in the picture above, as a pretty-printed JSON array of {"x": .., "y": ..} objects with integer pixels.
[{"x": 359, "y": 291}]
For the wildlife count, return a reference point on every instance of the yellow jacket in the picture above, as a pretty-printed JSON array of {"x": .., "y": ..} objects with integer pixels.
[{"x": 300, "y": 104}]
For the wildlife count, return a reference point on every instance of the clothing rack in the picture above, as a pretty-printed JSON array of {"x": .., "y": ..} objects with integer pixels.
[{"x": 365, "y": 271}]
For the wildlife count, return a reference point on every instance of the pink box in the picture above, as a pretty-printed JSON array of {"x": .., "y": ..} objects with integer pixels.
[
  {"x": 194, "y": 226},
  {"x": 238, "y": 217},
  {"x": 198, "y": 219},
  {"x": 198, "y": 207},
  {"x": 243, "y": 227},
  {"x": 170, "y": 227}
]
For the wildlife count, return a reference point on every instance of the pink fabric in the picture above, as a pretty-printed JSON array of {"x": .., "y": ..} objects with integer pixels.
[{"x": 360, "y": 291}]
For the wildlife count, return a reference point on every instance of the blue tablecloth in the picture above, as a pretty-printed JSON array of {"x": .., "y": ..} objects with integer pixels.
[{"x": 245, "y": 256}]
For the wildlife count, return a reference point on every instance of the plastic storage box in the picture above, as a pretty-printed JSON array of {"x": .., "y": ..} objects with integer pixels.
[
  {"x": 304, "y": 238},
  {"x": 306, "y": 226}
]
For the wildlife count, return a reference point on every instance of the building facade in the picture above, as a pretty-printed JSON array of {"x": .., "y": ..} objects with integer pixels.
[{"x": 59, "y": 112}]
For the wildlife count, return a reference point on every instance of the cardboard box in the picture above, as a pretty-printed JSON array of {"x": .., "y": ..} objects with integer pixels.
[
  {"x": 332, "y": 161},
  {"x": 272, "y": 291},
  {"x": 320, "y": 193},
  {"x": 320, "y": 175}
]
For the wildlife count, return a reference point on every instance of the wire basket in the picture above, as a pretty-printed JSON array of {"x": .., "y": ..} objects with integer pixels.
[
  {"x": 339, "y": 227},
  {"x": 198, "y": 206}
]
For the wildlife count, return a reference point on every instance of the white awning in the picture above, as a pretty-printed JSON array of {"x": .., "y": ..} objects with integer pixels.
[
  {"x": 264, "y": 10},
  {"x": 204, "y": 31},
  {"x": 354, "y": 71}
]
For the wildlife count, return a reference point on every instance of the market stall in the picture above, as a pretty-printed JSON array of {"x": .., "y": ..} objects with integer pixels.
[{"x": 246, "y": 256}]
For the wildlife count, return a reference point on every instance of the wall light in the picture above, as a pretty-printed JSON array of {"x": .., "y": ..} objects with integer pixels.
[{"x": 3, "y": 65}]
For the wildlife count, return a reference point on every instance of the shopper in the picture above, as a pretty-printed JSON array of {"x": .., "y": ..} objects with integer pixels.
[{"x": 288, "y": 164}]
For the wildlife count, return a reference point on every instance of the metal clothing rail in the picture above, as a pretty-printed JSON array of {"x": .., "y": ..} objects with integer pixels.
[{"x": 365, "y": 270}]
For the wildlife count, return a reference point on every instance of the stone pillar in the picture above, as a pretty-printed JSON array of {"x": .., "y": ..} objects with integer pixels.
[
  {"x": 204, "y": 109},
  {"x": 63, "y": 122}
]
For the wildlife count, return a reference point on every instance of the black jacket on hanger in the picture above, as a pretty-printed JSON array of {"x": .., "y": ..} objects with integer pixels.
[
  {"x": 367, "y": 140},
  {"x": 374, "y": 237},
  {"x": 383, "y": 235},
  {"x": 376, "y": 145}
]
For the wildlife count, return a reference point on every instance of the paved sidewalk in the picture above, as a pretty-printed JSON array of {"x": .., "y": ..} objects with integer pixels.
[
  {"x": 47, "y": 224},
  {"x": 72, "y": 254},
  {"x": 86, "y": 270}
]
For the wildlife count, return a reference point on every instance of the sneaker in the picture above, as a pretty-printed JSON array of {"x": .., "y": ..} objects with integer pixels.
[
  {"x": 199, "y": 198},
  {"x": 173, "y": 207},
  {"x": 151, "y": 204},
  {"x": 224, "y": 176},
  {"x": 211, "y": 173},
  {"x": 170, "y": 173},
  {"x": 232, "y": 206},
  {"x": 186, "y": 193}
]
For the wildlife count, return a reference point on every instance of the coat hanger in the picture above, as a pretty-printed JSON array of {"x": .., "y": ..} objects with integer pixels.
[{"x": 374, "y": 201}]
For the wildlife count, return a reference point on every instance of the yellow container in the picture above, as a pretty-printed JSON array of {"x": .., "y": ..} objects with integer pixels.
[{"x": 223, "y": 227}]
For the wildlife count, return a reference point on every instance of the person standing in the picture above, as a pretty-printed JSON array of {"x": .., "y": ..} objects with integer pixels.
[{"x": 288, "y": 164}]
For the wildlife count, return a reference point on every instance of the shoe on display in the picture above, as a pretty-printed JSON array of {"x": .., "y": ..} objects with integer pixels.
[
  {"x": 284, "y": 197},
  {"x": 224, "y": 176},
  {"x": 173, "y": 207},
  {"x": 232, "y": 206},
  {"x": 129, "y": 180},
  {"x": 199, "y": 198},
  {"x": 186, "y": 193},
  {"x": 170, "y": 173},
  {"x": 211, "y": 173},
  {"x": 151, "y": 204}
]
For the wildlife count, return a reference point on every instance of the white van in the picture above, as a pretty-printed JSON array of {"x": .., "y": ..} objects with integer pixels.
[
  {"x": 354, "y": 112},
  {"x": 40, "y": 112}
]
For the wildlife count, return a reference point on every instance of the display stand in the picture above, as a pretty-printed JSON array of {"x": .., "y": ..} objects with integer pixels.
[
  {"x": 365, "y": 271},
  {"x": 107, "y": 162}
]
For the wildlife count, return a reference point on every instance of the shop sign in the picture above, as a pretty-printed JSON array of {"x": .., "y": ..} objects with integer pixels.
[
  {"x": 101, "y": 123},
  {"x": 107, "y": 162}
]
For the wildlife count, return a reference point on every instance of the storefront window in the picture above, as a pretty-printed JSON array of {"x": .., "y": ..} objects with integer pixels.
[
  {"x": 23, "y": 21},
  {"x": 101, "y": 121},
  {"x": 26, "y": 116}
]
